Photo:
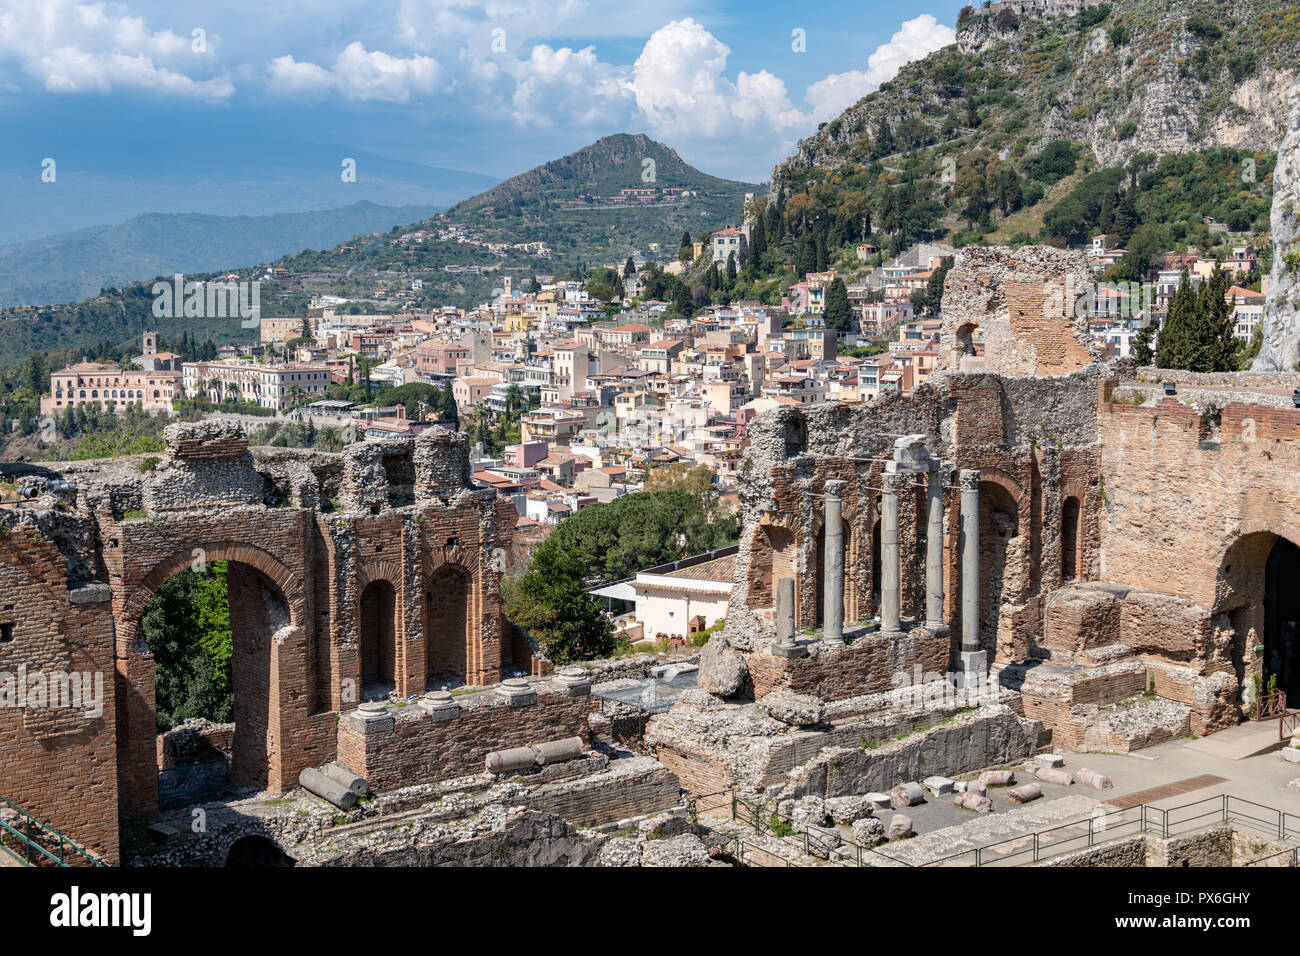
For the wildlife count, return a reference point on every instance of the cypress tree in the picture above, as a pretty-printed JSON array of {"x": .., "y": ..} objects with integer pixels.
[
  {"x": 757, "y": 240},
  {"x": 838, "y": 314},
  {"x": 1177, "y": 336}
]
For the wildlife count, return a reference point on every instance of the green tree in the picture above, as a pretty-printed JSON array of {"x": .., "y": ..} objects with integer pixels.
[
  {"x": 549, "y": 602},
  {"x": 187, "y": 627},
  {"x": 838, "y": 313},
  {"x": 1141, "y": 345}
]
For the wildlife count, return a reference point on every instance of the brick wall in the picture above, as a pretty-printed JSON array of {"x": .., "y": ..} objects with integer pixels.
[
  {"x": 866, "y": 666},
  {"x": 418, "y": 749},
  {"x": 57, "y": 763},
  {"x": 597, "y": 800}
]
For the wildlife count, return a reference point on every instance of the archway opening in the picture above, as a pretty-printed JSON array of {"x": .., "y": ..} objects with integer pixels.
[
  {"x": 819, "y": 601},
  {"x": 875, "y": 565},
  {"x": 774, "y": 560},
  {"x": 999, "y": 523},
  {"x": 1070, "y": 539},
  {"x": 1282, "y": 617},
  {"x": 210, "y": 629},
  {"x": 378, "y": 639},
  {"x": 257, "y": 851},
  {"x": 446, "y": 624}
]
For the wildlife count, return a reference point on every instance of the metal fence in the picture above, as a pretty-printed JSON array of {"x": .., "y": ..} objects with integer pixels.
[
  {"x": 1102, "y": 827},
  {"x": 33, "y": 843}
]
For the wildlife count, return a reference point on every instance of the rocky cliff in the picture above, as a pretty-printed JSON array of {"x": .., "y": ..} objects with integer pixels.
[
  {"x": 1281, "y": 346},
  {"x": 1130, "y": 77}
]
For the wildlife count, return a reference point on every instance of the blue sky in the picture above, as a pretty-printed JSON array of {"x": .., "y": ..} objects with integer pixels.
[{"x": 142, "y": 102}]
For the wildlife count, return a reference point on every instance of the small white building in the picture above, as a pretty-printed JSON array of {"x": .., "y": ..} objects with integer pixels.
[{"x": 684, "y": 598}]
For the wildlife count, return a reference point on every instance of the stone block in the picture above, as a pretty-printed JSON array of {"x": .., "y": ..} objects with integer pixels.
[
  {"x": 937, "y": 785},
  {"x": 974, "y": 801},
  {"x": 848, "y": 810},
  {"x": 1049, "y": 760}
]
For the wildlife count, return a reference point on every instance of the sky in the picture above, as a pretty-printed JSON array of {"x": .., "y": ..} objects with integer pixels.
[{"x": 150, "y": 105}]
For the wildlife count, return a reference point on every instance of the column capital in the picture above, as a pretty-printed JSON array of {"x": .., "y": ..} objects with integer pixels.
[
  {"x": 969, "y": 478},
  {"x": 891, "y": 481},
  {"x": 835, "y": 487}
]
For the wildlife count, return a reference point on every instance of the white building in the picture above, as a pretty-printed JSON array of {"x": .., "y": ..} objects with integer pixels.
[{"x": 680, "y": 599}]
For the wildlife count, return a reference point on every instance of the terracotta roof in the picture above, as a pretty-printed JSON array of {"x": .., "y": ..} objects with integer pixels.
[{"x": 719, "y": 569}]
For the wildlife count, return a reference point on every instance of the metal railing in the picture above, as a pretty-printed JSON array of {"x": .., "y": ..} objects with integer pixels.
[
  {"x": 38, "y": 844},
  {"x": 1287, "y": 724},
  {"x": 1102, "y": 827},
  {"x": 1269, "y": 706}
]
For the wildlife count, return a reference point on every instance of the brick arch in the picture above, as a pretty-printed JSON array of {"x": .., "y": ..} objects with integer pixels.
[
  {"x": 390, "y": 571},
  {"x": 468, "y": 559},
  {"x": 290, "y": 585},
  {"x": 1083, "y": 546},
  {"x": 996, "y": 476},
  {"x": 452, "y": 604},
  {"x": 258, "y": 748}
]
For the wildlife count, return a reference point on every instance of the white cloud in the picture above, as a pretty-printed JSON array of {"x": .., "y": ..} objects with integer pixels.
[
  {"x": 571, "y": 87},
  {"x": 915, "y": 39},
  {"x": 680, "y": 86},
  {"x": 358, "y": 74},
  {"x": 71, "y": 47}
]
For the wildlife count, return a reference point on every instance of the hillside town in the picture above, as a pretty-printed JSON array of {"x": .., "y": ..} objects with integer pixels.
[
  {"x": 932, "y": 505},
  {"x": 602, "y": 391}
]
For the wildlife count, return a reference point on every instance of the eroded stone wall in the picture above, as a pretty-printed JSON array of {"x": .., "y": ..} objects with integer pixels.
[{"x": 304, "y": 534}]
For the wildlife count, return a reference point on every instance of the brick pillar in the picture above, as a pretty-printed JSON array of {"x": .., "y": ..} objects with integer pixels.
[{"x": 137, "y": 730}]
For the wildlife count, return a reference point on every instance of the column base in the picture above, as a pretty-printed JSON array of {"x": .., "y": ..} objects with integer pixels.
[
  {"x": 834, "y": 641},
  {"x": 790, "y": 650},
  {"x": 938, "y": 628},
  {"x": 975, "y": 661}
]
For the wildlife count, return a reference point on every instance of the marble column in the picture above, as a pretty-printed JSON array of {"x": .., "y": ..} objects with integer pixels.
[
  {"x": 889, "y": 568},
  {"x": 970, "y": 560},
  {"x": 833, "y": 565},
  {"x": 786, "y": 645},
  {"x": 934, "y": 550}
]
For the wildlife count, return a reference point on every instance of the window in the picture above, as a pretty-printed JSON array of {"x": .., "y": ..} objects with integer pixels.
[{"x": 6, "y": 633}]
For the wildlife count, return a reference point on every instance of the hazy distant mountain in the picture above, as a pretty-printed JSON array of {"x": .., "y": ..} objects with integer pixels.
[
  {"x": 570, "y": 204},
  {"x": 76, "y": 265}
]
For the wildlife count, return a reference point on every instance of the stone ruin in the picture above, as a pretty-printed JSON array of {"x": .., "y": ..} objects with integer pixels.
[{"x": 1033, "y": 548}]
